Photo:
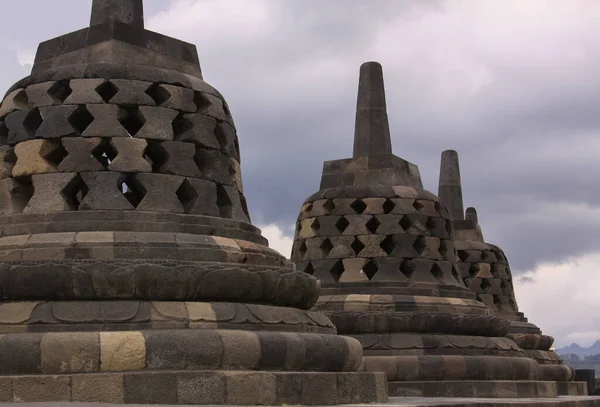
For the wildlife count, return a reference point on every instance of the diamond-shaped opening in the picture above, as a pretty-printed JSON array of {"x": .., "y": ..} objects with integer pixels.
[
  {"x": 80, "y": 119},
  {"x": 155, "y": 155},
  {"x": 132, "y": 190},
  {"x": 74, "y": 192},
  {"x": 302, "y": 249},
  {"x": 503, "y": 286},
  {"x": 60, "y": 91},
  {"x": 359, "y": 206},
  {"x": 158, "y": 93},
  {"x": 315, "y": 224},
  {"x": 357, "y": 246},
  {"x": 373, "y": 224},
  {"x": 337, "y": 270},
  {"x": 473, "y": 271},
  {"x": 107, "y": 90},
  {"x": 309, "y": 269},
  {"x": 224, "y": 203},
  {"x": 388, "y": 206},
  {"x": 308, "y": 208},
  {"x": 329, "y": 205},
  {"x": 187, "y": 195},
  {"x": 437, "y": 272},
  {"x": 181, "y": 125},
  {"x": 462, "y": 255},
  {"x": 370, "y": 269},
  {"x": 484, "y": 254},
  {"x": 326, "y": 247},
  {"x": 201, "y": 101},
  {"x": 32, "y": 122},
  {"x": 431, "y": 223},
  {"x": 388, "y": 245},
  {"x": 497, "y": 303},
  {"x": 417, "y": 205},
  {"x": 55, "y": 154},
  {"x": 449, "y": 229},
  {"x": 408, "y": 267},
  {"x": 104, "y": 153},
  {"x": 133, "y": 121},
  {"x": 405, "y": 222},
  {"x": 419, "y": 244},
  {"x": 485, "y": 284},
  {"x": 455, "y": 274},
  {"x": 21, "y": 100},
  {"x": 342, "y": 224}
]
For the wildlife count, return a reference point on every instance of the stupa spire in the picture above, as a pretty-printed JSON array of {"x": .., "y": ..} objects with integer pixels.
[
  {"x": 125, "y": 11},
  {"x": 450, "y": 189},
  {"x": 372, "y": 129}
]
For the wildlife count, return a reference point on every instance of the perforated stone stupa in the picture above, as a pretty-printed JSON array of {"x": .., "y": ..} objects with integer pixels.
[
  {"x": 485, "y": 270},
  {"x": 129, "y": 269},
  {"x": 383, "y": 249}
]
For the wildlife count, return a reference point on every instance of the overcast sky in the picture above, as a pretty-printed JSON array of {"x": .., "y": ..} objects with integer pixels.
[{"x": 513, "y": 86}]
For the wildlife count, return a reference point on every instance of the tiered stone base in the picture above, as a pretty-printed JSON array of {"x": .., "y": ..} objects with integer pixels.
[{"x": 198, "y": 387}]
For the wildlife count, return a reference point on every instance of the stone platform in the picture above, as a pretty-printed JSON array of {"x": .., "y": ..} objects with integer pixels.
[{"x": 567, "y": 401}]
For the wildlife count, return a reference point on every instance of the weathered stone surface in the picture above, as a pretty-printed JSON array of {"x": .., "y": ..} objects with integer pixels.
[
  {"x": 231, "y": 205},
  {"x": 122, "y": 351},
  {"x": 131, "y": 93},
  {"x": 7, "y": 161},
  {"x": 105, "y": 191},
  {"x": 52, "y": 193},
  {"x": 107, "y": 121},
  {"x": 70, "y": 353},
  {"x": 197, "y": 129},
  {"x": 158, "y": 123},
  {"x": 13, "y": 196},
  {"x": 40, "y": 94},
  {"x": 175, "y": 97},
  {"x": 57, "y": 122},
  {"x": 14, "y": 101},
  {"x": 85, "y": 91},
  {"x": 129, "y": 12},
  {"x": 97, "y": 388},
  {"x": 178, "y": 159},
  {"x": 130, "y": 155},
  {"x": 161, "y": 193},
  {"x": 80, "y": 155},
  {"x": 22, "y": 125},
  {"x": 200, "y": 197},
  {"x": 214, "y": 166}
]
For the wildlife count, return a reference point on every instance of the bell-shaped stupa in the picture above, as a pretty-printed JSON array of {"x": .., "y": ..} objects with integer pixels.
[
  {"x": 129, "y": 269},
  {"x": 485, "y": 270},
  {"x": 383, "y": 249}
]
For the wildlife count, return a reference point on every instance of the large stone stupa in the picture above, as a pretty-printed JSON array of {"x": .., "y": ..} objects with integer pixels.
[
  {"x": 383, "y": 248},
  {"x": 129, "y": 269},
  {"x": 485, "y": 270}
]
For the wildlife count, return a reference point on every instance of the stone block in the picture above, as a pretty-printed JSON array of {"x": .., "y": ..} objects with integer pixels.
[
  {"x": 180, "y": 349},
  {"x": 131, "y": 93},
  {"x": 6, "y": 390},
  {"x": 87, "y": 91},
  {"x": 104, "y": 191},
  {"x": 160, "y": 192},
  {"x": 107, "y": 121},
  {"x": 101, "y": 388},
  {"x": 150, "y": 388},
  {"x": 122, "y": 351},
  {"x": 214, "y": 166},
  {"x": 158, "y": 123},
  {"x": 3, "y": 133},
  {"x": 80, "y": 155},
  {"x": 36, "y": 157},
  {"x": 43, "y": 389},
  {"x": 372, "y": 246},
  {"x": 177, "y": 158},
  {"x": 201, "y": 388},
  {"x": 199, "y": 197},
  {"x": 130, "y": 155},
  {"x": 14, "y": 101},
  {"x": 52, "y": 193},
  {"x": 357, "y": 225},
  {"x": 13, "y": 313},
  {"x": 236, "y": 172},
  {"x": 251, "y": 388},
  {"x": 227, "y": 137},
  {"x": 47, "y": 93},
  {"x": 197, "y": 129},
  {"x": 61, "y": 121},
  {"x": 77, "y": 352},
  {"x": 7, "y": 161},
  {"x": 353, "y": 271},
  {"x": 230, "y": 204},
  {"x": 174, "y": 97},
  {"x": 213, "y": 106},
  {"x": 241, "y": 350},
  {"x": 22, "y": 125},
  {"x": 13, "y": 196},
  {"x": 20, "y": 355}
]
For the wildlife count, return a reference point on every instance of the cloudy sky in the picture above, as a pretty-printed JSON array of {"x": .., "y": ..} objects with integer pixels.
[{"x": 513, "y": 86}]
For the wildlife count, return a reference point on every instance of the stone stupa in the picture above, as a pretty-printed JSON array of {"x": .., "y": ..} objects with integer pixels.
[
  {"x": 129, "y": 269},
  {"x": 383, "y": 249},
  {"x": 485, "y": 270}
]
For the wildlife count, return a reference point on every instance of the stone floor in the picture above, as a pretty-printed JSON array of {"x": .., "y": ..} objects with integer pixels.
[{"x": 393, "y": 402}]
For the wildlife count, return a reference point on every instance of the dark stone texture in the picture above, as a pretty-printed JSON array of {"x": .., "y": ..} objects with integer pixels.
[
  {"x": 150, "y": 388},
  {"x": 181, "y": 350},
  {"x": 126, "y": 11},
  {"x": 20, "y": 354}
]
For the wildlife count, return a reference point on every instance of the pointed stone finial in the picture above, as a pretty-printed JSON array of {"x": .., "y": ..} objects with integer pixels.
[
  {"x": 125, "y": 11},
  {"x": 471, "y": 214},
  {"x": 450, "y": 189},
  {"x": 372, "y": 130}
]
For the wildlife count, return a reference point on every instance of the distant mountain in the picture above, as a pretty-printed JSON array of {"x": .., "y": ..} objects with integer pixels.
[{"x": 579, "y": 350}]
